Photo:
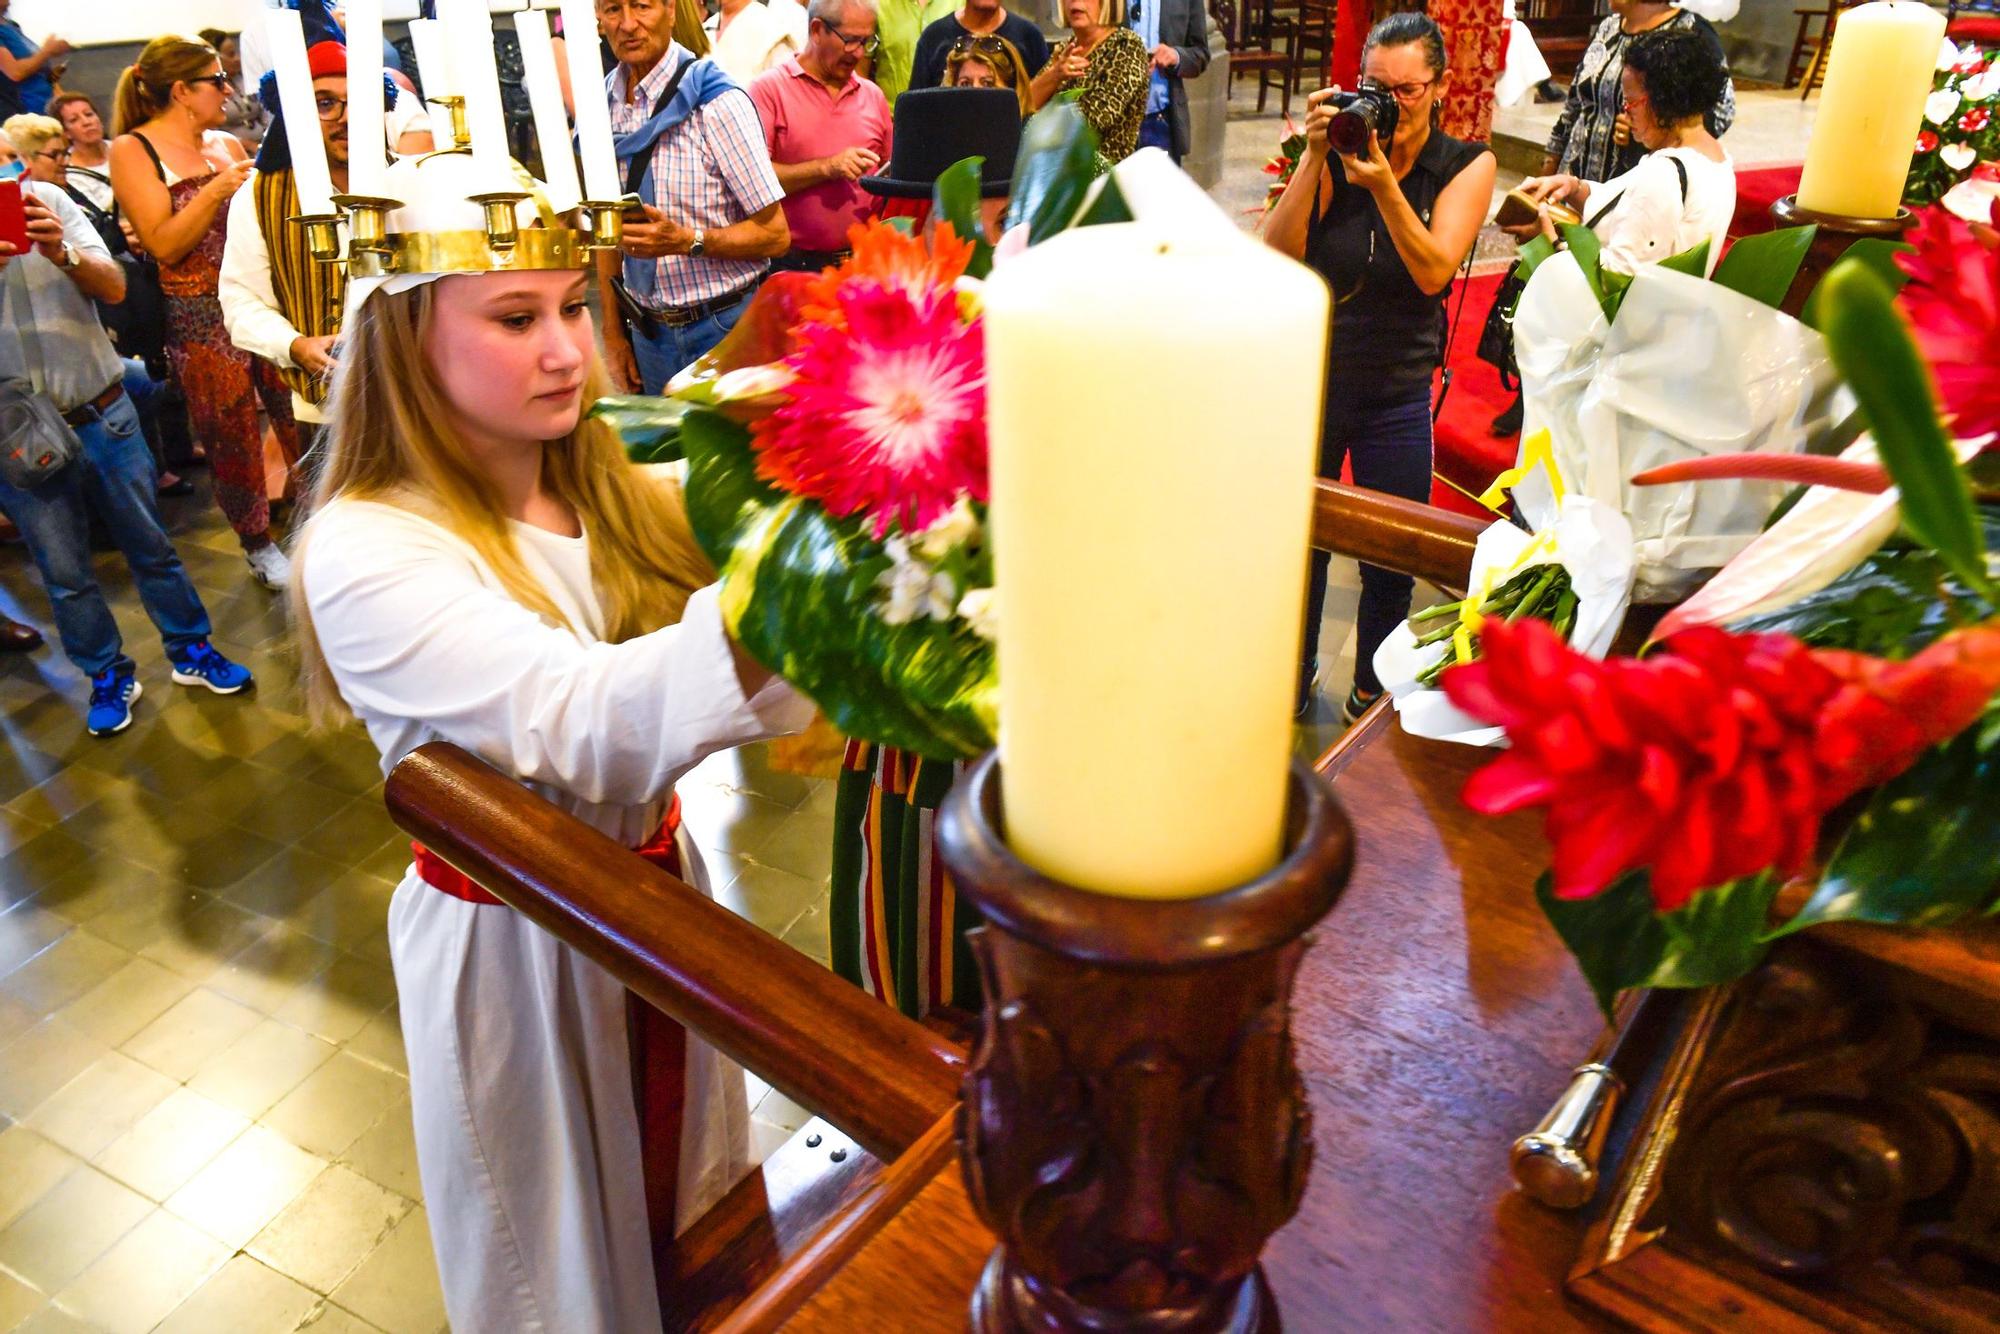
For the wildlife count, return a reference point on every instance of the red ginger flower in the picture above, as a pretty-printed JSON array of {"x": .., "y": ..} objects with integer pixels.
[
  {"x": 1953, "y": 301},
  {"x": 1713, "y": 759},
  {"x": 1926, "y": 141}
]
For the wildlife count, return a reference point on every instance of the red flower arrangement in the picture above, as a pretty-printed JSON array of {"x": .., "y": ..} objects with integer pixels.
[
  {"x": 1953, "y": 302},
  {"x": 1926, "y": 141},
  {"x": 885, "y": 414},
  {"x": 1975, "y": 120},
  {"x": 1711, "y": 760}
]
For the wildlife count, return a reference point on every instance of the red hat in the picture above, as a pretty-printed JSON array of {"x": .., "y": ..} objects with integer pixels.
[{"x": 327, "y": 60}]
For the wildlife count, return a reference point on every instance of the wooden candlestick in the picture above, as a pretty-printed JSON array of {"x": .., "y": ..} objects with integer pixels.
[
  {"x": 1836, "y": 234},
  {"x": 1133, "y": 1126}
]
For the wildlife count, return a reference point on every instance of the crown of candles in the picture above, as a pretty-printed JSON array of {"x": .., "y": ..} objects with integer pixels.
[{"x": 468, "y": 207}]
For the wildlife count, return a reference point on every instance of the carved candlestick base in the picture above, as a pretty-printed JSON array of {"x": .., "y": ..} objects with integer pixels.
[
  {"x": 1133, "y": 1126},
  {"x": 1836, "y": 234}
]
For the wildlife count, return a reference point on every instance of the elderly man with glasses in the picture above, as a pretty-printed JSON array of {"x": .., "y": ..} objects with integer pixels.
[
  {"x": 826, "y": 128},
  {"x": 691, "y": 147}
]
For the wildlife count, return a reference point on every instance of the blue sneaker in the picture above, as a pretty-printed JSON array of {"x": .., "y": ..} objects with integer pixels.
[
  {"x": 111, "y": 696},
  {"x": 200, "y": 665}
]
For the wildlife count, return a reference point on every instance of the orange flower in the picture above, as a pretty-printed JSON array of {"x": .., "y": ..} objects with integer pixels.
[{"x": 898, "y": 261}]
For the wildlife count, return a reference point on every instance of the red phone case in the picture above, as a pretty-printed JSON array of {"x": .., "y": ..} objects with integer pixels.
[{"x": 13, "y": 217}]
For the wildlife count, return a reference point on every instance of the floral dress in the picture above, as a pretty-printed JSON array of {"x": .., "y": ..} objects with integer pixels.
[
  {"x": 1583, "y": 142},
  {"x": 1114, "y": 90},
  {"x": 222, "y": 383}
]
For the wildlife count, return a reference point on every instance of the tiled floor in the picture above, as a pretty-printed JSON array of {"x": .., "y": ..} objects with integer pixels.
[{"x": 204, "y": 1114}]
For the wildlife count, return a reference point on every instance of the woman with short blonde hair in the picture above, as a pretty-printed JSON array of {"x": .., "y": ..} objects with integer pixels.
[{"x": 31, "y": 134}]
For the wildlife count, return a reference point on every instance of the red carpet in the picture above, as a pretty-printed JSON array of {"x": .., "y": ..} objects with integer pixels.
[
  {"x": 1756, "y": 190},
  {"x": 1467, "y": 453}
]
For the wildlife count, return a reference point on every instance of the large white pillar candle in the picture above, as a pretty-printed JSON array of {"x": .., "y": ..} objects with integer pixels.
[
  {"x": 1152, "y": 470},
  {"x": 593, "y": 111},
  {"x": 295, "y": 95},
  {"x": 1877, "y": 77},
  {"x": 538, "y": 68},
  {"x": 367, "y": 137}
]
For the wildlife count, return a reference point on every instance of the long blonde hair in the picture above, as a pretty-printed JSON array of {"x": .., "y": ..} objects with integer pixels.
[
  {"x": 146, "y": 88},
  {"x": 389, "y": 439}
]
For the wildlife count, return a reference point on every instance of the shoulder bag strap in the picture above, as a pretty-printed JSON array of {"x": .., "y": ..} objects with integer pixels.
[
  {"x": 635, "y": 170},
  {"x": 159, "y": 167}
]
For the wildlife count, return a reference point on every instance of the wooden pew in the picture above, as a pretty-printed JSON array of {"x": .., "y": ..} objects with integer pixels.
[{"x": 886, "y": 1081}]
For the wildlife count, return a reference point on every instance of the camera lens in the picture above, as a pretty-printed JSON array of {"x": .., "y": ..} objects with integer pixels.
[{"x": 1348, "y": 131}]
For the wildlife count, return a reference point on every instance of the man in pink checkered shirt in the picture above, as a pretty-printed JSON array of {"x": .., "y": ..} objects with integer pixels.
[{"x": 689, "y": 142}]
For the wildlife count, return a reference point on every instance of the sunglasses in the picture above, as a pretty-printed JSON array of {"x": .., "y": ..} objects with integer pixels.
[{"x": 219, "y": 80}]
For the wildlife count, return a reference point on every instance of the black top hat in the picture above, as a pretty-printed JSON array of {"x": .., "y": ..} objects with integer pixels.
[{"x": 936, "y": 127}]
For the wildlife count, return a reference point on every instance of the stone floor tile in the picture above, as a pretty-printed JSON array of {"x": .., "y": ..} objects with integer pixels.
[
  {"x": 243, "y": 1297},
  {"x": 339, "y": 1002},
  {"x": 335, "y": 1104},
  {"x": 808, "y": 936},
  {"x": 327, "y": 1318},
  {"x": 780, "y": 1110},
  {"x": 802, "y": 846},
  {"x": 325, "y": 1234},
  {"x": 30, "y": 1167},
  {"x": 70, "y": 1226},
  {"x": 348, "y": 911},
  {"x": 386, "y": 1154},
  {"x": 357, "y": 828},
  {"x": 169, "y": 1144},
  {"x": 265, "y": 973},
  {"x": 16, "y": 829},
  {"x": 69, "y": 790},
  {"x": 64, "y": 971},
  {"x": 282, "y": 885},
  {"x": 769, "y": 897},
  {"x": 190, "y": 1033},
  {"x": 142, "y": 1278},
  {"x": 52, "y": 1319},
  {"x": 125, "y": 1002},
  {"x": 18, "y": 1301},
  {"x": 123, "y": 902},
  {"x": 381, "y": 1041},
  {"x": 396, "y": 1287},
  {"x": 204, "y": 940},
  {"x": 262, "y": 1066},
  {"x": 43, "y": 857},
  {"x": 40, "y": 1061},
  {"x": 225, "y": 857},
  {"x": 104, "y": 1101},
  {"x": 245, "y": 1186},
  {"x": 15, "y": 1019},
  {"x": 766, "y": 1137},
  {"x": 25, "y": 931}
]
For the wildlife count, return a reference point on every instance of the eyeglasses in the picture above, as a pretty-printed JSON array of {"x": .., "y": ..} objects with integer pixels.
[
  {"x": 855, "y": 46},
  {"x": 329, "y": 106},
  {"x": 219, "y": 79},
  {"x": 1409, "y": 92},
  {"x": 54, "y": 154}
]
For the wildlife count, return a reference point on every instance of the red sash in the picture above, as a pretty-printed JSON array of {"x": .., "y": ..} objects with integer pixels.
[{"x": 659, "y": 1045}]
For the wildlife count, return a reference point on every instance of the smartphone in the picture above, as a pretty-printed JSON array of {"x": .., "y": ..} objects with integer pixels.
[{"x": 13, "y": 217}]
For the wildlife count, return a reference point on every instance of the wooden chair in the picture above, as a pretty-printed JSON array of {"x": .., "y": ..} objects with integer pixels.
[
  {"x": 1259, "y": 43},
  {"x": 1562, "y": 31},
  {"x": 1314, "y": 57},
  {"x": 1811, "y": 48}
]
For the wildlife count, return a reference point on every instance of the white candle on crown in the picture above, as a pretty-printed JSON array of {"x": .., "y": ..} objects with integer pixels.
[
  {"x": 1877, "y": 77},
  {"x": 1151, "y": 507},
  {"x": 538, "y": 68},
  {"x": 593, "y": 110},
  {"x": 468, "y": 28},
  {"x": 367, "y": 137},
  {"x": 435, "y": 73},
  {"x": 295, "y": 95}
]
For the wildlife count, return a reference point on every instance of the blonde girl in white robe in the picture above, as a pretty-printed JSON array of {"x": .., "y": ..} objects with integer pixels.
[{"x": 484, "y": 567}]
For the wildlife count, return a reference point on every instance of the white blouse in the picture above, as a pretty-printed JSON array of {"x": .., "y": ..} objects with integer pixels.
[
  {"x": 426, "y": 644},
  {"x": 1652, "y": 221}
]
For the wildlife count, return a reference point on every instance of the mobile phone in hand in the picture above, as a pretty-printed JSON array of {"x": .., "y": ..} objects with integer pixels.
[{"x": 13, "y": 217}]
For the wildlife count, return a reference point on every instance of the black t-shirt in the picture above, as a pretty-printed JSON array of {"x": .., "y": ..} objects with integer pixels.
[
  {"x": 1387, "y": 338},
  {"x": 936, "y": 41}
]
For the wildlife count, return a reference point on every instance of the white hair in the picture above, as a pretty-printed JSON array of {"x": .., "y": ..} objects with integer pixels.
[{"x": 834, "y": 12}]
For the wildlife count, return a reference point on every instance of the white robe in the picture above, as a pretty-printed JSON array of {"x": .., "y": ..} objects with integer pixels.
[{"x": 520, "y": 1077}]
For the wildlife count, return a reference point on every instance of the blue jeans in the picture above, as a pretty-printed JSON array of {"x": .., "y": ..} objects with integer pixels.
[
  {"x": 662, "y": 354},
  {"x": 1390, "y": 444},
  {"x": 115, "y": 478}
]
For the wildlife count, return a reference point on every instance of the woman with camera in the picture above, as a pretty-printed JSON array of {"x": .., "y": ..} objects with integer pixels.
[
  {"x": 1683, "y": 191},
  {"x": 1387, "y": 227}
]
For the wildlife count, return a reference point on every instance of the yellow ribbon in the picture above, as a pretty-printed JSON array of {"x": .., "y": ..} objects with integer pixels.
[
  {"x": 1538, "y": 450},
  {"x": 1470, "y": 614}
]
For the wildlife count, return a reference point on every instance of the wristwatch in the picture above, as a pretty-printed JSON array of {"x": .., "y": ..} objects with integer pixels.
[
  {"x": 698, "y": 245},
  {"x": 67, "y": 258}
]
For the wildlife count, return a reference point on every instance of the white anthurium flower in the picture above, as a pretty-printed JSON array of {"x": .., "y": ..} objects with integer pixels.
[
  {"x": 913, "y": 588},
  {"x": 1948, "y": 56},
  {"x": 1940, "y": 106},
  {"x": 981, "y": 612},
  {"x": 1982, "y": 86},
  {"x": 1958, "y": 156},
  {"x": 955, "y": 527}
]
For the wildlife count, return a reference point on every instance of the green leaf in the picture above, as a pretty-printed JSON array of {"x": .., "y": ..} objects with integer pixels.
[
  {"x": 1054, "y": 169},
  {"x": 1620, "y": 941},
  {"x": 1925, "y": 851},
  {"x": 650, "y": 427},
  {"x": 955, "y": 199},
  {"x": 793, "y": 576},
  {"x": 1871, "y": 252},
  {"x": 1582, "y": 243},
  {"x": 1694, "y": 263},
  {"x": 1876, "y": 355},
  {"x": 1764, "y": 266},
  {"x": 1531, "y": 256},
  {"x": 1105, "y": 204}
]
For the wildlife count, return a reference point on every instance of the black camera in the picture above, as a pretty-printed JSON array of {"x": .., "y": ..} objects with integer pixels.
[{"x": 1369, "y": 107}]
